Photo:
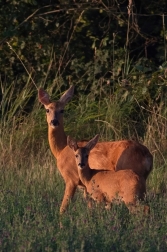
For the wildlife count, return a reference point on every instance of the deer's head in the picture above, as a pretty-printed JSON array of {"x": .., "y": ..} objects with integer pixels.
[
  {"x": 82, "y": 153},
  {"x": 54, "y": 110}
]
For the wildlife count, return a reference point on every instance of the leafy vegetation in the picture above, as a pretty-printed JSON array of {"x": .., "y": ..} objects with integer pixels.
[{"x": 116, "y": 58}]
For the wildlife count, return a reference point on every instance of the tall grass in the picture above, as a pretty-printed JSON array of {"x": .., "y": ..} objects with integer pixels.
[
  {"x": 31, "y": 189},
  {"x": 30, "y": 198}
]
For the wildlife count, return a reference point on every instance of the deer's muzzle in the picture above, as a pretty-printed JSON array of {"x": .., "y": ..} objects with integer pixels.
[{"x": 54, "y": 123}]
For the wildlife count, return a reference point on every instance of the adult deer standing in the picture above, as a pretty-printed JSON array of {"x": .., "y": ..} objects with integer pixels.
[
  {"x": 117, "y": 155},
  {"x": 107, "y": 186}
]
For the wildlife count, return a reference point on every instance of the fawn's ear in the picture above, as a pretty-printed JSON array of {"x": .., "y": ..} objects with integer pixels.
[
  {"x": 91, "y": 144},
  {"x": 66, "y": 97},
  {"x": 43, "y": 96},
  {"x": 72, "y": 143}
]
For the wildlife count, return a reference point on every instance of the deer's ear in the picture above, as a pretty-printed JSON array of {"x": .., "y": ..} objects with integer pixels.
[
  {"x": 72, "y": 143},
  {"x": 66, "y": 97},
  {"x": 43, "y": 96},
  {"x": 91, "y": 144}
]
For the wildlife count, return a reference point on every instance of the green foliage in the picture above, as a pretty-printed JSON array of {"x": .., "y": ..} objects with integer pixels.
[{"x": 79, "y": 41}]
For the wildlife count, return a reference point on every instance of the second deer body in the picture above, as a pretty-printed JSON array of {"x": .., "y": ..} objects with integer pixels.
[{"x": 106, "y": 186}]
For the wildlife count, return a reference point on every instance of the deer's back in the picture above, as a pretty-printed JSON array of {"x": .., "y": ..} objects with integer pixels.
[
  {"x": 125, "y": 184},
  {"x": 121, "y": 155}
]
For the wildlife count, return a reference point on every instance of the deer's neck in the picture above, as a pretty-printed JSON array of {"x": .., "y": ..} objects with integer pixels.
[
  {"x": 85, "y": 175},
  {"x": 57, "y": 140}
]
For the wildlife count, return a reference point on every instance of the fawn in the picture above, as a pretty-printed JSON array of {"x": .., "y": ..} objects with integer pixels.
[{"x": 107, "y": 186}]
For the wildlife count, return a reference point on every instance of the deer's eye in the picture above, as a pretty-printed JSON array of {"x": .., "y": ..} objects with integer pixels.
[
  {"x": 62, "y": 111},
  {"x": 47, "y": 110},
  {"x": 76, "y": 155}
]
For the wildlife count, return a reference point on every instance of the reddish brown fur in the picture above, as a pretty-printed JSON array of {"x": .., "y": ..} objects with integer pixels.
[
  {"x": 107, "y": 186},
  {"x": 116, "y": 155}
]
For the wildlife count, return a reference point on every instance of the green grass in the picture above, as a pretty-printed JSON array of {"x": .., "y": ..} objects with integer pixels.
[
  {"x": 31, "y": 189},
  {"x": 29, "y": 217}
]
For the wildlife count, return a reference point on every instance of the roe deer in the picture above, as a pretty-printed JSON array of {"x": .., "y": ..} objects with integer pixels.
[
  {"x": 117, "y": 155},
  {"x": 107, "y": 186}
]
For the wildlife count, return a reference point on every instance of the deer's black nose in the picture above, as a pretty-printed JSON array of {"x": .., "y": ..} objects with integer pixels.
[
  {"x": 81, "y": 165},
  {"x": 54, "y": 122}
]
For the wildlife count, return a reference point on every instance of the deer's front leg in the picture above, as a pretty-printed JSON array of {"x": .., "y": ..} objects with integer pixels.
[
  {"x": 68, "y": 194},
  {"x": 98, "y": 196}
]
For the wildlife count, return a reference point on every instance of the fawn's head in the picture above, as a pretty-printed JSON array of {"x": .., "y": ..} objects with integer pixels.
[
  {"x": 54, "y": 110},
  {"x": 82, "y": 153}
]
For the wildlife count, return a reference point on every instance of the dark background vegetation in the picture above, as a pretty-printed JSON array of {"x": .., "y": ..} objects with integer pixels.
[{"x": 86, "y": 43}]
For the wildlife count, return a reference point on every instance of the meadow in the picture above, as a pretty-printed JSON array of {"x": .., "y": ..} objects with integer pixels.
[{"x": 31, "y": 188}]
